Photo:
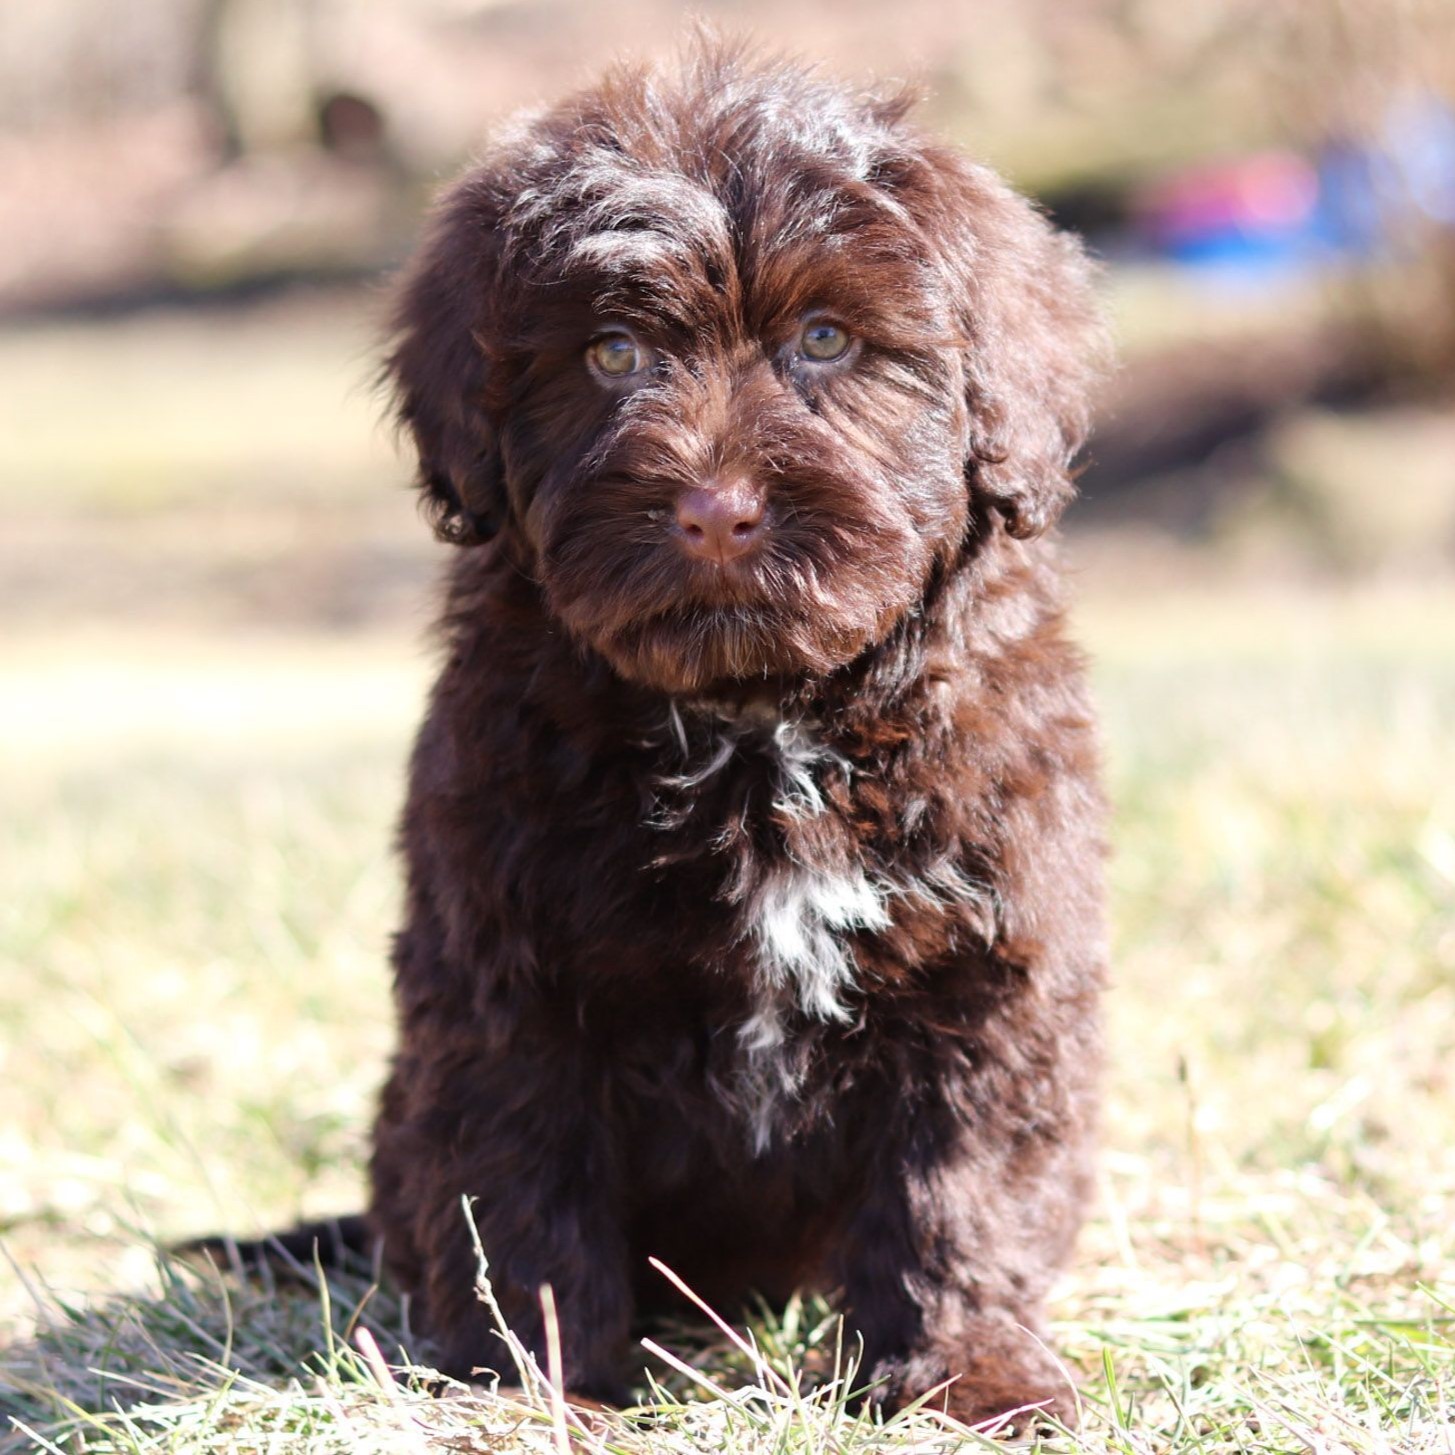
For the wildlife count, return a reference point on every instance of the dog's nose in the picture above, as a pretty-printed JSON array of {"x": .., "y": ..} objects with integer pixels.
[{"x": 721, "y": 520}]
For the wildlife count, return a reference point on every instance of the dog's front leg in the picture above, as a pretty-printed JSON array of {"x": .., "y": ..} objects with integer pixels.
[
  {"x": 943, "y": 1275},
  {"x": 515, "y": 1131}
]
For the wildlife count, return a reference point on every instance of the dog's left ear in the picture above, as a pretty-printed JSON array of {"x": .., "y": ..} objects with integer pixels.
[{"x": 1033, "y": 337}]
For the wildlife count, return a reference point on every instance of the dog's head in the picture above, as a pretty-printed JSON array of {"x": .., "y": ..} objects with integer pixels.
[{"x": 738, "y": 360}]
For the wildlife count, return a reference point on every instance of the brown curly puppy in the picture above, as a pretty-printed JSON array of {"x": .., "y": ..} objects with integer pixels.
[{"x": 753, "y": 835}]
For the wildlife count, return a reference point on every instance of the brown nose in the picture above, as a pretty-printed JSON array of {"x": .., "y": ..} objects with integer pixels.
[{"x": 721, "y": 520}]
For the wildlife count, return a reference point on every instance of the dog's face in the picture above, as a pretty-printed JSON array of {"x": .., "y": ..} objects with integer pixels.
[{"x": 730, "y": 356}]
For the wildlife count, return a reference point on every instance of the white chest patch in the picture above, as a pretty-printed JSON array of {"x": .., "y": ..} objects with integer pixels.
[
  {"x": 799, "y": 922},
  {"x": 799, "y": 919}
]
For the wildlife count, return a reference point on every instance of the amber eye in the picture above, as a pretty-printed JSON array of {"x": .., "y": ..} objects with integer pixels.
[
  {"x": 823, "y": 342},
  {"x": 616, "y": 355}
]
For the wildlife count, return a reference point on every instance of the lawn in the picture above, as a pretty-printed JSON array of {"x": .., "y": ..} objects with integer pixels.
[
  {"x": 194, "y": 1011},
  {"x": 198, "y": 797}
]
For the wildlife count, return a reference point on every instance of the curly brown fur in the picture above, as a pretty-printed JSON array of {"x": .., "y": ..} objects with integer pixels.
[{"x": 753, "y": 913}]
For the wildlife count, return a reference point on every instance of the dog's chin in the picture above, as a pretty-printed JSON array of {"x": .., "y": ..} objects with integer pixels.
[
  {"x": 700, "y": 651},
  {"x": 692, "y": 632}
]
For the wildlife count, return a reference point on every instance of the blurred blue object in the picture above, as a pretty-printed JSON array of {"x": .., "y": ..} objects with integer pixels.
[
  {"x": 1270, "y": 216},
  {"x": 1349, "y": 218}
]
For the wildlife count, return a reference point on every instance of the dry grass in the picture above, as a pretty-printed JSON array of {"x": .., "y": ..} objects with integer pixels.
[
  {"x": 195, "y": 1018},
  {"x": 198, "y": 892}
]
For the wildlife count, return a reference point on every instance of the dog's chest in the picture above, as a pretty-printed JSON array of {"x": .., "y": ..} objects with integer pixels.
[
  {"x": 798, "y": 889},
  {"x": 800, "y": 925}
]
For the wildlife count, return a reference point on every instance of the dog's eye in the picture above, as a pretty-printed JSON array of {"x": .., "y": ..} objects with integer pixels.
[
  {"x": 823, "y": 342},
  {"x": 616, "y": 355}
]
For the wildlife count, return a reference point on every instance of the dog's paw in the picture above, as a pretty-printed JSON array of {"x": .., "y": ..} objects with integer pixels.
[
  {"x": 1001, "y": 1405},
  {"x": 998, "y": 1394}
]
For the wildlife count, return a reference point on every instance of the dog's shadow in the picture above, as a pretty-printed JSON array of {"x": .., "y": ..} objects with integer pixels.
[
  {"x": 208, "y": 1327},
  {"x": 298, "y": 1312}
]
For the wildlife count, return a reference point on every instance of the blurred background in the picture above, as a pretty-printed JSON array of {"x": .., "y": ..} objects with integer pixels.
[
  {"x": 199, "y": 198},
  {"x": 214, "y": 589}
]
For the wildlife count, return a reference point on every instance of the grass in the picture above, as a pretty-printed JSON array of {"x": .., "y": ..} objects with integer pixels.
[
  {"x": 195, "y": 1020},
  {"x": 200, "y": 759}
]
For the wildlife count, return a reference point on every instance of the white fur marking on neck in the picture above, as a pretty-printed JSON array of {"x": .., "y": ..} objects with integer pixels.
[
  {"x": 799, "y": 917},
  {"x": 800, "y": 755},
  {"x": 799, "y": 921}
]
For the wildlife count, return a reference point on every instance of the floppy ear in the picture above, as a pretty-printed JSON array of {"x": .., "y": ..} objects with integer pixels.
[
  {"x": 1033, "y": 337},
  {"x": 439, "y": 370}
]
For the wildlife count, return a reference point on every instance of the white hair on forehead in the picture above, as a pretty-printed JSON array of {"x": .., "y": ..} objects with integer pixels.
[
  {"x": 656, "y": 197},
  {"x": 626, "y": 211},
  {"x": 616, "y": 252},
  {"x": 607, "y": 209},
  {"x": 812, "y": 116}
]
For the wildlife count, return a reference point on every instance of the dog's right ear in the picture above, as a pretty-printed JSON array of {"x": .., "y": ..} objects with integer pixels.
[{"x": 439, "y": 369}]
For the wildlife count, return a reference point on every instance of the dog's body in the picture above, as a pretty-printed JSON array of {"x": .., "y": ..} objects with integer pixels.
[{"x": 753, "y": 844}]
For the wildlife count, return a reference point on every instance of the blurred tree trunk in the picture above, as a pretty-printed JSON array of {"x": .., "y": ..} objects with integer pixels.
[{"x": 255, "y": 72}]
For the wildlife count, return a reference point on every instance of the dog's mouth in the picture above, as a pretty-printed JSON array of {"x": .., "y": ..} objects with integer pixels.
[
  {"x": 736, "y": 587},
  {"x": 684, "y": 625},
  {"x": 699, "y": 648}
]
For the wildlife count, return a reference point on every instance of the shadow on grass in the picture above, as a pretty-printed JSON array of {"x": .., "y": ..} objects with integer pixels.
[
  {"x": 238, "y": 1344},
  {"x": 101, "y": 1370},
  {"x": 282, "y": 1354}
]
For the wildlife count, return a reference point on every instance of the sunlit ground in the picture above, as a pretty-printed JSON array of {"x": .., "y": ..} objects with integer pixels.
[{"x": 202, "y": 734}]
